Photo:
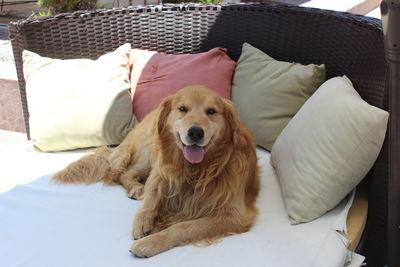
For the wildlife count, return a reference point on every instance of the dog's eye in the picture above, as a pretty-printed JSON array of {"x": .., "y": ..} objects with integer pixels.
[
  {"x": 211, "y": 111},
  {"x": 183, "y": 109}
]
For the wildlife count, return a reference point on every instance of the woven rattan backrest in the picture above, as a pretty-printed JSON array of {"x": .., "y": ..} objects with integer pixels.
[{"x": 347, "y": 44}]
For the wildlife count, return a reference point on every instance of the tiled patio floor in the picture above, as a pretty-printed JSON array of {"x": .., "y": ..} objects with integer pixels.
[{"x": 11, "y": 117}]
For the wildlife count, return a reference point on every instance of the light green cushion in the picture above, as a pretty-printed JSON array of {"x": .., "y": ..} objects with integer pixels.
[
  {"x": 327, "y": 149},
  {"x": 78, "y": 103},
  {"x": 267, "y": 93}
]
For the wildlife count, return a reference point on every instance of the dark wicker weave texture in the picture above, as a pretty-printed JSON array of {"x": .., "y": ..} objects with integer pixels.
[{"x": 345, "y": 43}]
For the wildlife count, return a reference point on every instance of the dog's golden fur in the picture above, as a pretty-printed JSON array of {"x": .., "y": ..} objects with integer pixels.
[{"x": 183, "y": 202}]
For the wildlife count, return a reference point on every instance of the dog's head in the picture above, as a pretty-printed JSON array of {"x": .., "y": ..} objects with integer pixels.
[{"x": 198, "y": 119}]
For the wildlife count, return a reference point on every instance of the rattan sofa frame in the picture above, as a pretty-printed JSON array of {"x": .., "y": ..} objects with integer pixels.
[{"x": 347, "y": 44}]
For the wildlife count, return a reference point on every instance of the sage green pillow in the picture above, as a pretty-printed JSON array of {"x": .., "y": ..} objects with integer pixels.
[
  {"x": 78, "y": 103},
  {"x": 267, "y": 93}
]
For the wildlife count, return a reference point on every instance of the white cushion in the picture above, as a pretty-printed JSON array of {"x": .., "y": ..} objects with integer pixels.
[
  {"x": 327, "y": 149},
  {"x": 78, "y": 103},
  {"x": 64, "y": 225}
]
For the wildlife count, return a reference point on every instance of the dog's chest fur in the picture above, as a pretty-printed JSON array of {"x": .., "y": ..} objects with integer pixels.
[{"x": 192, "y": 195}]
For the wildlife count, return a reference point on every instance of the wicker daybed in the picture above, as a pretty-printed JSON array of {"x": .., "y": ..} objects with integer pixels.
[{"x": 346, "y": 43}]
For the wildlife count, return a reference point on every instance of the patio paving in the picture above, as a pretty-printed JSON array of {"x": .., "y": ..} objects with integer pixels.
[{"x": 19, "y": 9}]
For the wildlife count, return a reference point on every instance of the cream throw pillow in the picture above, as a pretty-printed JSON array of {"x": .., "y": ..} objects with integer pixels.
[
  {"x": 78, "y": 103},
  {"x": 267, "y": 93},
  {"x": 327, "y": 149}
]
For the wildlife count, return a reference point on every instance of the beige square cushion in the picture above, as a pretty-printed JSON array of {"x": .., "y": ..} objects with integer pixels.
[
  {"x": 78, "y": 103},
  {"x": 327, "y": 149},
  {"x": 267, "y": 93}
]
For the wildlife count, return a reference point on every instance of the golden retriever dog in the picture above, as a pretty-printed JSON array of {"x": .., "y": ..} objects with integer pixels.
[{"x": 199, "y": 166}]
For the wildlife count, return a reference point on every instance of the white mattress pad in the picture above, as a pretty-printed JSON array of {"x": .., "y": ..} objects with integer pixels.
[{"x": 46, "y": 224}]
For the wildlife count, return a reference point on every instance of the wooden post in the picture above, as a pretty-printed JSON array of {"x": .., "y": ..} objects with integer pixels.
[{"x": 390, "y": 10}]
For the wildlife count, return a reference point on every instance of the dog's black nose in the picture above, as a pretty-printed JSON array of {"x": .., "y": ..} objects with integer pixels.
[{"x": 196, "y": 133}]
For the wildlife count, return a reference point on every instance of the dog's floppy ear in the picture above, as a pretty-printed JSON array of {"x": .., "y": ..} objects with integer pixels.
[
  {"x": 164, "y": 110},
  {"x": 235, "y": 126}
]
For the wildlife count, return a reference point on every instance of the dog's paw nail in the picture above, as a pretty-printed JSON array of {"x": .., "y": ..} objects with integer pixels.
[{"x": 136, "y": 192}]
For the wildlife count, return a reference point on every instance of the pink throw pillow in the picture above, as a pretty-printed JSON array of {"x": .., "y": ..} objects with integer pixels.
[{"x": 155, "y": 75}]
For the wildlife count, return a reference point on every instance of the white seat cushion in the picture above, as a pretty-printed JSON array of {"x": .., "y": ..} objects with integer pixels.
[{"x": 46, "y": 224}]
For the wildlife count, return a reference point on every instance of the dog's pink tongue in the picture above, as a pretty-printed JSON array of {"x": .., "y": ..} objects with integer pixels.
[{"x": 193, "y": 154}]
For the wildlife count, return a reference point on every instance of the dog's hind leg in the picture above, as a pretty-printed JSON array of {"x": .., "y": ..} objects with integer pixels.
[
  {"x": 135, "y": 176},
  {"x": 130, "y": 167},
  {"x": 132, "y": 184}
]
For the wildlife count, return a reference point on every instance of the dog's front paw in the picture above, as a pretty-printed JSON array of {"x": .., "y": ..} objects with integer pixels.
[
  {"x": 136, "y": 191},
  {"x": 143, "y": 224},
  {"x": 149, "y": 246}
]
